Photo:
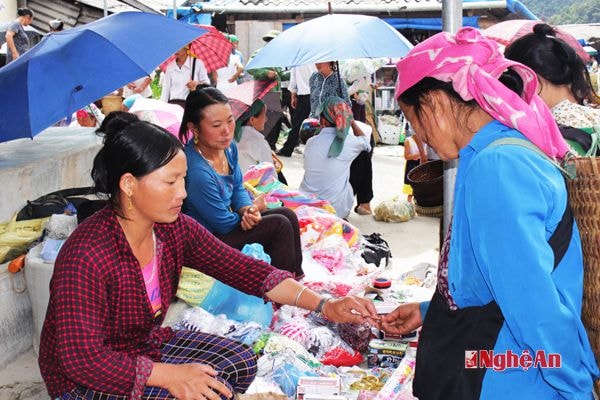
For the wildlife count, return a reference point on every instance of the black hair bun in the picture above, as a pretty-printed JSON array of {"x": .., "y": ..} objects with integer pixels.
[
  {"x": 115, "y": 122},
  {"x": 544, "y": 30}
]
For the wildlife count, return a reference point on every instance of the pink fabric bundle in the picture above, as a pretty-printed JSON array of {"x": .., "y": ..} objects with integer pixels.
[{"x": 473, "y": 64}]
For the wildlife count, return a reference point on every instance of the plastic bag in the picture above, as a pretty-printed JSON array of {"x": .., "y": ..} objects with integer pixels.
[
  {"x": 17, "y": 236},
  {"x": 375, "y": 249},
  {"x": 394, "y": 210},
  {"x": 196, "y": 288}
]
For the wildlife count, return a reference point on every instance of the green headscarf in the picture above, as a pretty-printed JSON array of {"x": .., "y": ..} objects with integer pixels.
[
  {"x": 337, "y": 112},
  {"x": 253, "y": 111}
]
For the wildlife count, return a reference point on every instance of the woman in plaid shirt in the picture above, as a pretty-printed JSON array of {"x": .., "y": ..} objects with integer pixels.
[{"x": 118, "y": 272}]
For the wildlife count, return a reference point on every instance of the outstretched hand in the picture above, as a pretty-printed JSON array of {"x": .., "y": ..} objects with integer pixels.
[
  {"x": 351, "y": 309},
  {"x": 404, "y": 319}
]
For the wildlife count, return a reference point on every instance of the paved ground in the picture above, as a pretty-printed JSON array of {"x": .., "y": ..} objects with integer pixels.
[{"x": 411, "y": 242}]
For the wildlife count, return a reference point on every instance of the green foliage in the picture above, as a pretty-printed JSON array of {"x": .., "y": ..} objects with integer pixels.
[
  {"x": 558, "y": 12},
  {"x": 581, "y": 12},
  {"x": 155, "y": 86}
]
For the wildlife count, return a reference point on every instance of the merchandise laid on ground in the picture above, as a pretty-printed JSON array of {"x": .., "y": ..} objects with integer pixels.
[{"x": 302, "y": 355}]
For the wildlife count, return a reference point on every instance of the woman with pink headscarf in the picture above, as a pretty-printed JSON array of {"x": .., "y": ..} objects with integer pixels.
[{"x": 505, "y": 320}]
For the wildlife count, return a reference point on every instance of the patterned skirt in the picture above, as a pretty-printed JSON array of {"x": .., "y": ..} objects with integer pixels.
[{"x": 235, "y": 362}]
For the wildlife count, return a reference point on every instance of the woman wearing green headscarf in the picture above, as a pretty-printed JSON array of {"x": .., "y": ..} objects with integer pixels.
[
  {"x": 252, "y": 145},
  {"x": 328, "y": 155}
]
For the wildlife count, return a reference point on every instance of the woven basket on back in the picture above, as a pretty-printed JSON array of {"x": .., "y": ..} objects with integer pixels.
[
  {"x": 427, "y": 182},
  {"x": 584, "y": 195}
]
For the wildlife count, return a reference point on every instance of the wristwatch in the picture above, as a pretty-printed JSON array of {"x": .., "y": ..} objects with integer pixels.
[{"x": 319, "y": 309}]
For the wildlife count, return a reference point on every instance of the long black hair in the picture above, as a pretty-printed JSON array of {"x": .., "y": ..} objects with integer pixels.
[
  {"x": 554, "y": 60},
  {"x": 195, "y": 103},
  {"x": 130, "y": 146}
]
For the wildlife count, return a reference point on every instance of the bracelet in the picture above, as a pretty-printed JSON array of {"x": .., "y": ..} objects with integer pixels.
[
  {"x": 298, "y": 296},
  {"x": 319, "y": 309}
]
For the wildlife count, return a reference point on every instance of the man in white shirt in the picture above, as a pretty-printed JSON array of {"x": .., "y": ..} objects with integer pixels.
[
  {"x": 328, "y": 177},
  {"x": 182, "y": 75},
  {"x": 228, "y": 75},
  {"x": 140, "y": 86},
  {"x": 300, "y": 101}
]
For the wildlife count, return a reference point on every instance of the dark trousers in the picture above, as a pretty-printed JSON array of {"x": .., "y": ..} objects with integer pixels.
[
  {"x": 279, "y": 234},
  {"x": 235, "y": 363},
  {"x": 273, "y": 135},
  {"x": 361, "y": 169},
  {"x": 300, "y": 113}
]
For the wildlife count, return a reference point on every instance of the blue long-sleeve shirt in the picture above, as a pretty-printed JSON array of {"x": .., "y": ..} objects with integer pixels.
[
  {"x": 213, "y": 199},
  {"x": 508, "y": 201}
]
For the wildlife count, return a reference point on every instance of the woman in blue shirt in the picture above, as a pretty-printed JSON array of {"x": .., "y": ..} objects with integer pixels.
[
  {"x": 505, "y": 320},
  {"x": 216, "y": 196}
]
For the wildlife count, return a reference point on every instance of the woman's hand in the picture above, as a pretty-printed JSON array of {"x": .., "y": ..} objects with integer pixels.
[
  {"x": 404, "y": 319},
  {"x": 260, "y": 203},
  {"x": 189, "y": 381},
  {"x": 351, "y": 309},
  {"x": 191, "y": 85},
  {"x": 250, "y": 218}
]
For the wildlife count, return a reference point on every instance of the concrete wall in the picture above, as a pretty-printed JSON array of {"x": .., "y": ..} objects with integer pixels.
[
  {"x": 58, "y": 158},
  {"x": 16, "y": 318},
  {"x": 8, "y": 10},
  {"x": 250, "y": 34}
]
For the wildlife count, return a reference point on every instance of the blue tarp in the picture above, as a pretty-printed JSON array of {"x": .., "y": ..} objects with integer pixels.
[
  {"x": 426, "y": 24},
  {"x": 187, "y": 14},
  {"x": 430, "y": 24}
]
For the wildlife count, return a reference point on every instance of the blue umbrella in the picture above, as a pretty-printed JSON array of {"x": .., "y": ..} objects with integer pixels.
[
  {"x": 332, "y": 37},
  {"x": 70, "y": 69}
]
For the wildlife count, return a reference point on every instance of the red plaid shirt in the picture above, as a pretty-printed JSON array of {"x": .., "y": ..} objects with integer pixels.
[{"x": 99, "y": 331}]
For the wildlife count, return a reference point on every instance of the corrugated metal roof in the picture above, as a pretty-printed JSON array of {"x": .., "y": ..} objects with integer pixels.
[
  {"x": 113, "y": 6},
  {"x": 72, "y": 14},
  {"x": 162, "y": 5},
  {"x": 342, "y": 5},
  {"x": 78, "y": 12}
]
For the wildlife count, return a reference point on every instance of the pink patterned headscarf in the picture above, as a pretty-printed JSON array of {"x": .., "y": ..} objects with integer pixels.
[{"x": 473, "y": 64}]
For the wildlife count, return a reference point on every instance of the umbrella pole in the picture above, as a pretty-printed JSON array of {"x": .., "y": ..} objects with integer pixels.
[
  {"x": 193, "y": 68},
  {"x": 337, "y": 67}
]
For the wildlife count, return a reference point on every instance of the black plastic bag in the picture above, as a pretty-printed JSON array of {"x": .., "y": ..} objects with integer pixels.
[{"x": 375, "y": 249}]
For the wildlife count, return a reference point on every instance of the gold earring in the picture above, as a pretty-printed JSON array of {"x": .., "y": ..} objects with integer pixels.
[{"x": 129, "y": 204}]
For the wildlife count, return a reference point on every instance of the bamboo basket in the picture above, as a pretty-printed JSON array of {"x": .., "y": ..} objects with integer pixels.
[
  {"x": 427, "y": 182},
  {"x": 584, "y": 195}
]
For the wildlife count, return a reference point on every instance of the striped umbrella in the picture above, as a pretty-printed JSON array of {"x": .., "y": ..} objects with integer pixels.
[{"x": 213, "y": 50}]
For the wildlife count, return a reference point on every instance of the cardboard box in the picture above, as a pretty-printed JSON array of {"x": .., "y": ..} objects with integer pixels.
[
  {"x": 385, "y": 353},
  {"x": 319, "y": 386}
]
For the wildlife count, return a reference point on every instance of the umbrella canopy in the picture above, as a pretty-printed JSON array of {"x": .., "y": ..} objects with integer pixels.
[
  {"x": 70, "y": 69},
  {"x": 507, "y": 31},
  {"x": 329, "y": 38},
  {"x": 242, "y": 96},
  {"x": 213, "y": 48},
  {"x": 158, "y": 112}
]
